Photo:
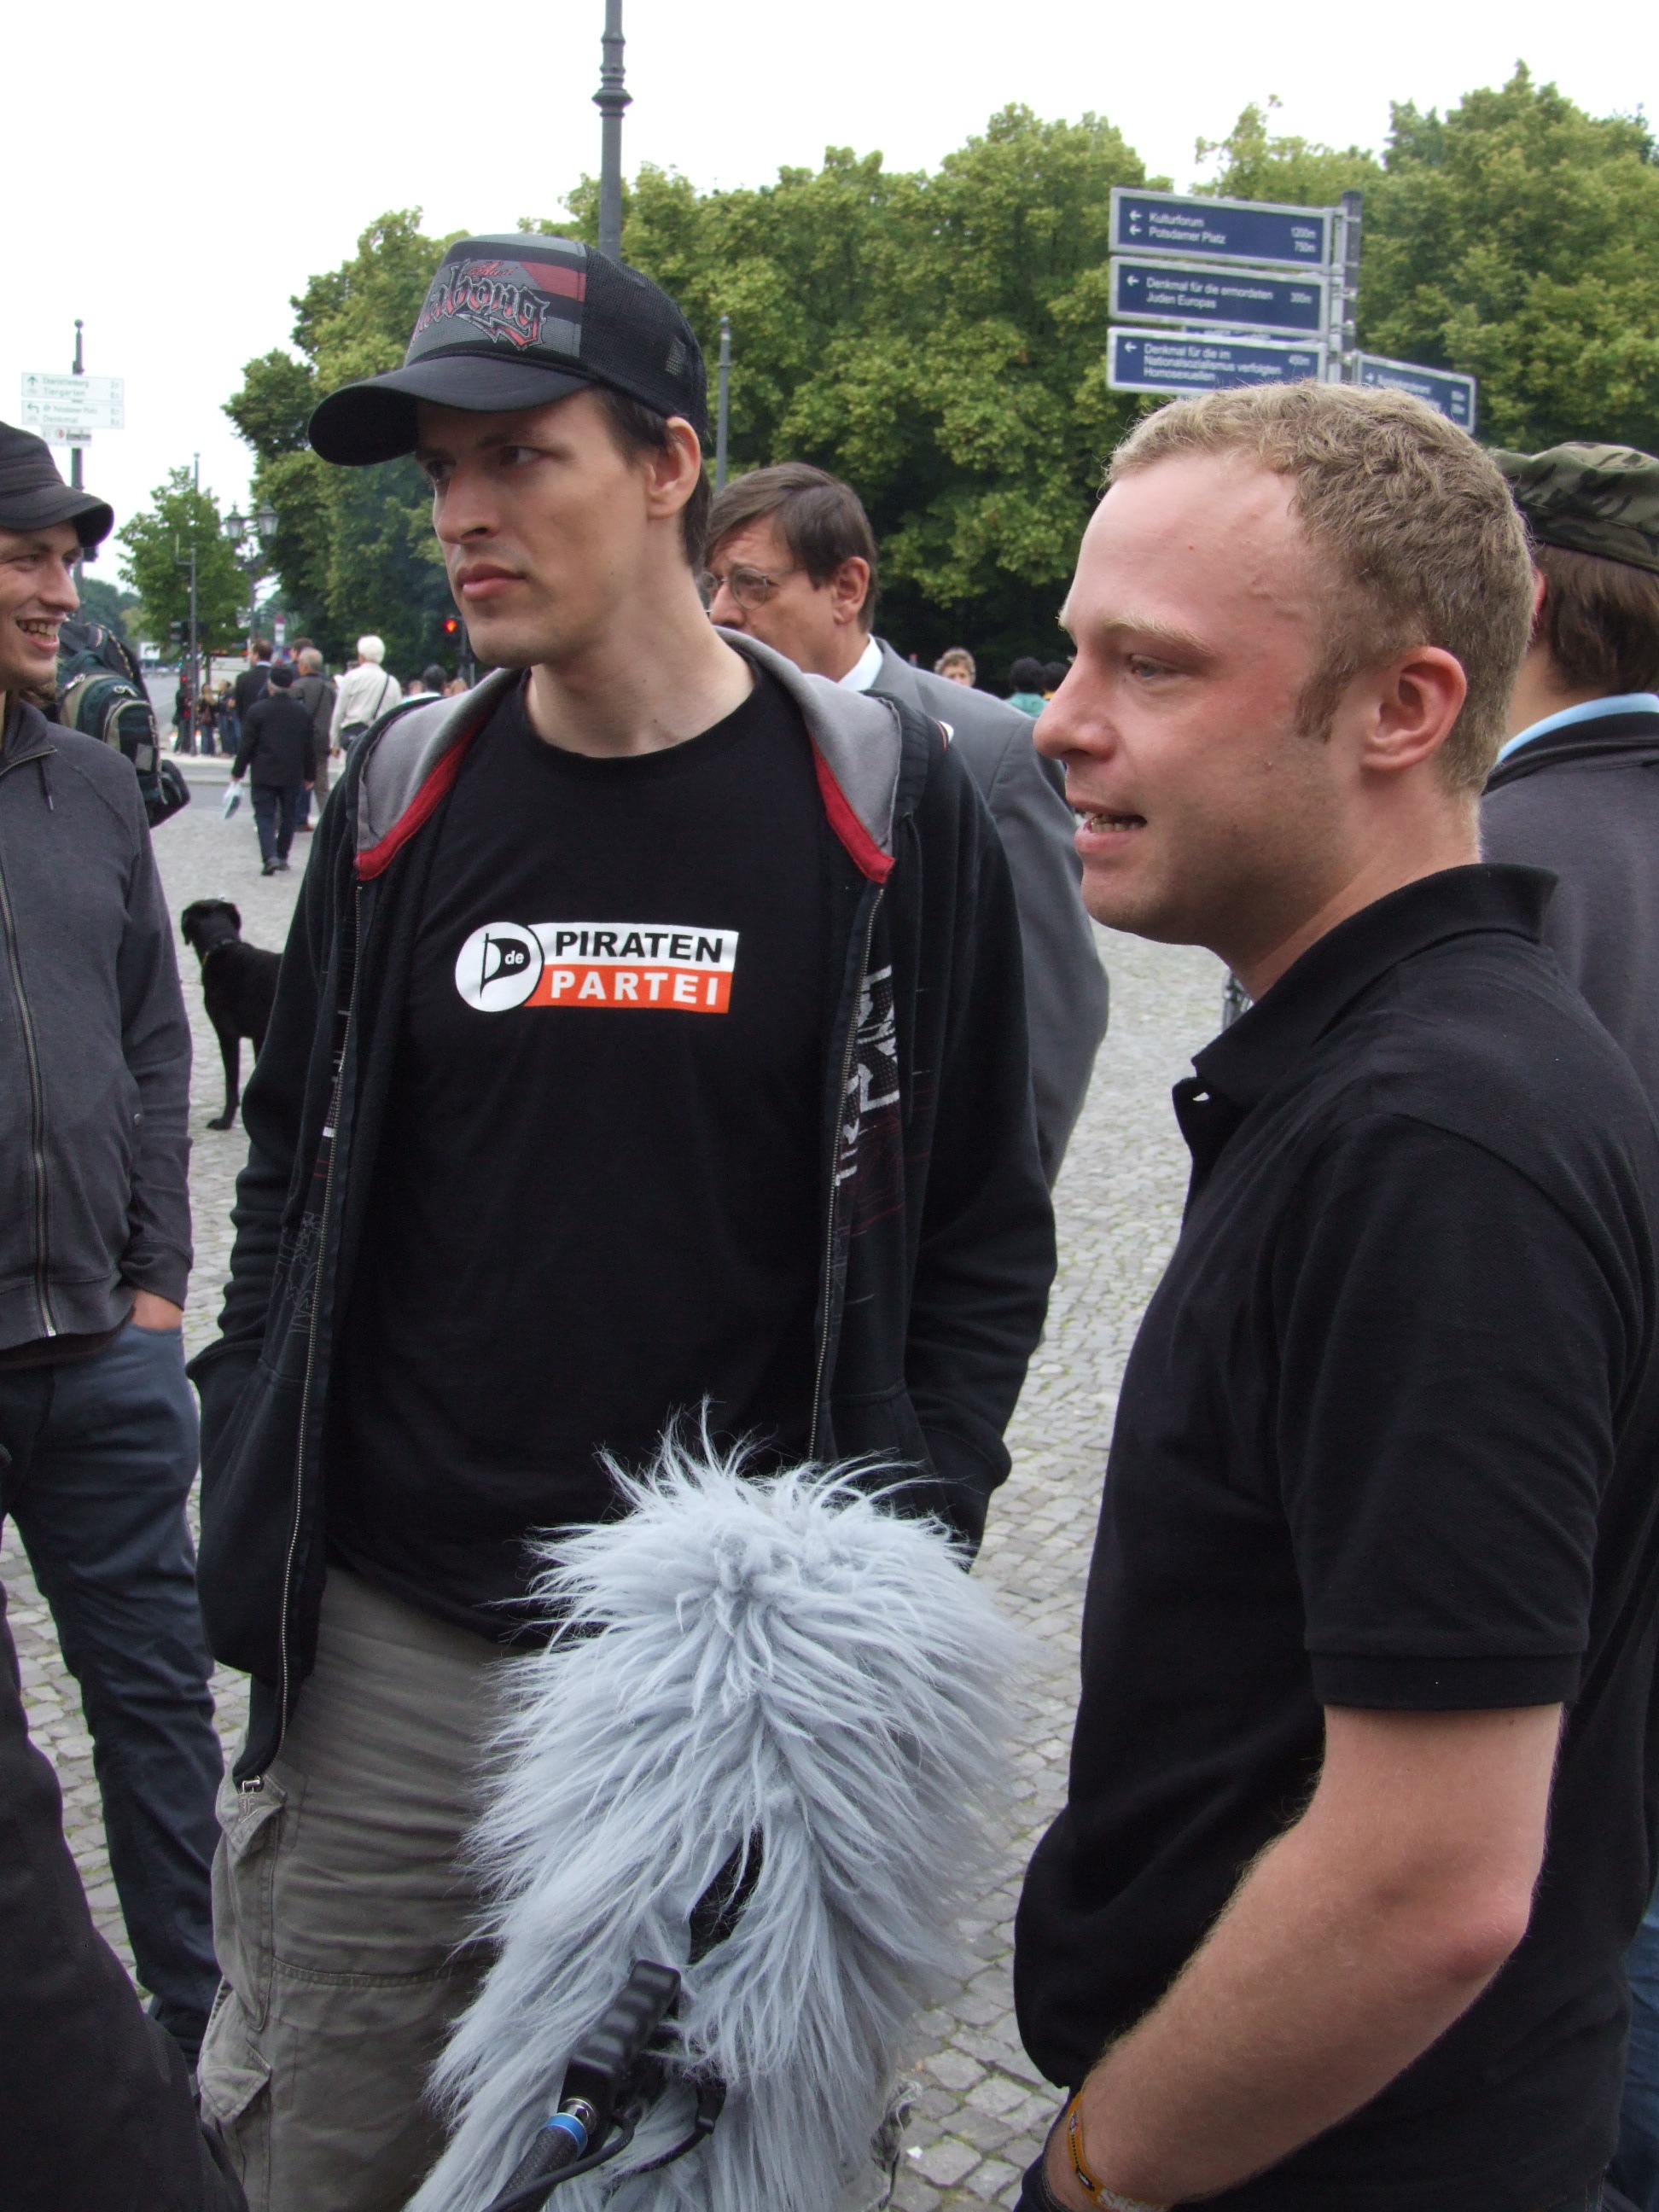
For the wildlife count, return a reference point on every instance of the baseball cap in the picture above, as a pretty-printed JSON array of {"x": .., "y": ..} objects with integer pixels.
[
  {"x": 34, "y": 497},
  {"x": 1589, "y": 499},
  {"x": 516, "y": 322}
]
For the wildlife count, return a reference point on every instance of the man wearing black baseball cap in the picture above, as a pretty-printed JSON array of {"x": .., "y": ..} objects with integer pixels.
[
  {"x": 98, "y": 1427},
  {"x": 526, "y": 1181}
]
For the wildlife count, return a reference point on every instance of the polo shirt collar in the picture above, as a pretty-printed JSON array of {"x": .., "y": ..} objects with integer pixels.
[
  {"x": 1245, "y": 1061},
  {"x": 1588, "y": 710}
]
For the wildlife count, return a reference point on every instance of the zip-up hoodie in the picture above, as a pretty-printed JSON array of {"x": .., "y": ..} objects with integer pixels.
[
  {"x": 937, "y": 1248},
  {"x": 94, "y": 1109}
]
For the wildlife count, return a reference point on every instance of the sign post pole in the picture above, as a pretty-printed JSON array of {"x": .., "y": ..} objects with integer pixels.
[
  {"x": 1350, "y": 217},
  {"x": 722, "y": 413},
  {"x": 78, "y": 368}
]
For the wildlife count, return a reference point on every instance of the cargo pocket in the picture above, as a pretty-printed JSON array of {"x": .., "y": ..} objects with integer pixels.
[
  {"x": 251, "y": 1825},
  {"x": 234, "y": 2086}
]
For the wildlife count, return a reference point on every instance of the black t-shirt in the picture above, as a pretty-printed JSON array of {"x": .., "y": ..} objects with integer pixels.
[
  {"x": 596, "y": 1201},
  {"x": 1387, "y": 1438}
]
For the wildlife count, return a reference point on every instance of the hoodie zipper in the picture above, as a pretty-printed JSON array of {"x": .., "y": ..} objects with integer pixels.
[
  {"x": 37, "y": 1110},
  {"x": 850, "y": 1048},
  {"x": 255, "y": 1782}
]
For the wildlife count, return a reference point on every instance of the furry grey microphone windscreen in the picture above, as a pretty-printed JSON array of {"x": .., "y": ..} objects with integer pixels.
[{"x": 788, "y": 1658}]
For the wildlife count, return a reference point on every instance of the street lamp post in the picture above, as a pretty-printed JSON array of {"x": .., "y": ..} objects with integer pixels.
[
  {"x": 256, "y": 533},
  {"x": 612, "y": 98}
]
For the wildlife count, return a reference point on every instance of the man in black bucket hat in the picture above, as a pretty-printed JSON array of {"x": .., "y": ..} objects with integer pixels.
[
  {"x": 98, "y": 1427},
  {"x": 34, "y": 497},
  {"x": 766, "y": 1148}
]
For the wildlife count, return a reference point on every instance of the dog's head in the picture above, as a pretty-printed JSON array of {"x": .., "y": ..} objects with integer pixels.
[{"x": 206, "y": 923}]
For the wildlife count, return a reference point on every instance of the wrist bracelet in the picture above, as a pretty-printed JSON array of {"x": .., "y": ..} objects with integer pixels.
[{"x": 1095, "y": 2192}]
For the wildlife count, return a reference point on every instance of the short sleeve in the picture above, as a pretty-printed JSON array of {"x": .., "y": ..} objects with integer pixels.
[{"x": 1451, "y": 1354}]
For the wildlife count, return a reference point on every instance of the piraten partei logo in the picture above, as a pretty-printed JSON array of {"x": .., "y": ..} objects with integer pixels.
[{"x": 636, "y": 967}]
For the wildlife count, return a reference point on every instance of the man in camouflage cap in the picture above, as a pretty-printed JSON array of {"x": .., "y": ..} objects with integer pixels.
[
  {"x": 1571, "y": 792},
  {"x": 1574, "y": 792}
]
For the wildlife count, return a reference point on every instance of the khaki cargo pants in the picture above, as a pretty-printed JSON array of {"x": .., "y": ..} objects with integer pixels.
[{"x": 345, "y": 1927}]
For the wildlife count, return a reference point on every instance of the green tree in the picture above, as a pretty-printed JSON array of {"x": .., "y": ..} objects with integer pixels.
[
  {"x": 102, "y": 602},
  {"x": 1255, "y": 163},
  {"x": 354, "y": 547},
  {"x": 1516, "y": 239},
  {"x": 155, "y": 546}
]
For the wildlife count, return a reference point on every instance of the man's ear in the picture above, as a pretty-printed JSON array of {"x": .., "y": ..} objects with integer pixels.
[
  {"x": 673, "y": 469},
  {"x": 1540, "y": 594},
  {"x": 1416, "y": 702},
  {"x": 849, "y": 587}
]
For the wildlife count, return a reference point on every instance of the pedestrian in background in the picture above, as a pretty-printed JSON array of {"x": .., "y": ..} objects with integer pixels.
[
  {"x": 254, "y": 679},
  {"x": 1054, "y": 673},
  {"x": 98, "y": 1429},
  {"x": 792, "y": 562},
  {"x": 365, "y": 692},
  {"x": 226, "y": 729},
  {"x": 316, "y": 694},
  {"x": 435, "y": 680},
  {"x": 1029, "y": 679},
  {"x": 1575, "y": 790},
  {"x": 278, "y": 755},
  {"x": 184, "y": 719},
  {"x": 1361, "y": 1795},
  {"x": 957, "y": 665}
]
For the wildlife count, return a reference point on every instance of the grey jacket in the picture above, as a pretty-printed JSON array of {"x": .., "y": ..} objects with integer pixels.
[
  {"x": 95, "y": 1109},
  {"x": 1066, "y": 988}
]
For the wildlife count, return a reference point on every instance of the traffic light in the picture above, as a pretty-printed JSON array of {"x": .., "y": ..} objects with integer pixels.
[{"x": 452, "y": 626}]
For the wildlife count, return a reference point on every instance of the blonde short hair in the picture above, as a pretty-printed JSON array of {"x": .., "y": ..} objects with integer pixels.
[{"x": 1424, "y": 541}]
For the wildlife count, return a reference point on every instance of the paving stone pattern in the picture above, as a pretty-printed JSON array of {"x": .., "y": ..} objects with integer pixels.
[{"x": 980, "y": 2107}]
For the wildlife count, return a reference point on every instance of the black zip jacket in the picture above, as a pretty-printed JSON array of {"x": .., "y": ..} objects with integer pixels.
[
  {"x": 95, "y": 1044},
  {"x": 1583, "y": 802},
  {"x": 938, "y": 1245}
]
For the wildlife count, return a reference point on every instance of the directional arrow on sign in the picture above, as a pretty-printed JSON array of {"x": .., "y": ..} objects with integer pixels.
[{"x": 1197, "y": 293}]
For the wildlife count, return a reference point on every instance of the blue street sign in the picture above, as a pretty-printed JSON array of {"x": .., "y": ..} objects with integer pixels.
[
  {"x": 1195, "y": 292},
  {"x": 1163, "y": 361},
  {"x": 1232, "y": 230},
  {"x": 1442, "y": 388}
]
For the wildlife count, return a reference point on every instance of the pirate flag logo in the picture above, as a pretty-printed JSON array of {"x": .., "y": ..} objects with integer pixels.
[{"x": 498, "y": 967}]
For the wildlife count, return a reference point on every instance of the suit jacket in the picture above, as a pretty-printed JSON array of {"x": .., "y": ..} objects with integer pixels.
[
  {"x": 1066, "y": 987},
  {"x": 253, "y": 684}
]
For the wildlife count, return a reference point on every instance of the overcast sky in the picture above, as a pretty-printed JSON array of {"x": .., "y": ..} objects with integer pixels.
[{"x": 180, "y": 170}]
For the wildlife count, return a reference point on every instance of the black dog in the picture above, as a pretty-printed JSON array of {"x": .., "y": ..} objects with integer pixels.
[{"x": 239, "y": 982}]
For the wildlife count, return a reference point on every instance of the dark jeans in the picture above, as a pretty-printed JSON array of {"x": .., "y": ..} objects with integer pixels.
[
  {"x": 96, "y": 1461},
  {"x": 1035, "y": 2196},
  {"x": 278, "y": 809}
]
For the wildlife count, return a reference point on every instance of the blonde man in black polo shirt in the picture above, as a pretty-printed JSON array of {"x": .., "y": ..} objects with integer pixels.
[{"x": 1357, "y": 1835}]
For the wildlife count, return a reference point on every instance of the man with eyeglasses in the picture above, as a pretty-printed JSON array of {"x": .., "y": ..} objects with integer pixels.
[
  {"x": 792, "y": 562},
  {"x": 526, "y": 1181}
]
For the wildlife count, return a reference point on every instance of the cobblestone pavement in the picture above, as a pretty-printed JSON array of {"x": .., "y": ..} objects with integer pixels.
[{"x": 980, "y": 2107}]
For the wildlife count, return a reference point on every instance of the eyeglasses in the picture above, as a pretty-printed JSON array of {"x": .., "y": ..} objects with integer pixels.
[{"x": 750, "y": 587}]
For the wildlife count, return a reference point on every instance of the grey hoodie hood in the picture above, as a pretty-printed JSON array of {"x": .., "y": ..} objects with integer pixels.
[{"x": 855, "y": 738}]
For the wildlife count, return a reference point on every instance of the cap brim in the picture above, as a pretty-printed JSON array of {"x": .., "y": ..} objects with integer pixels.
[
  {"x": 93, "y": 519},
  {"x": 377, "y": 421}
]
